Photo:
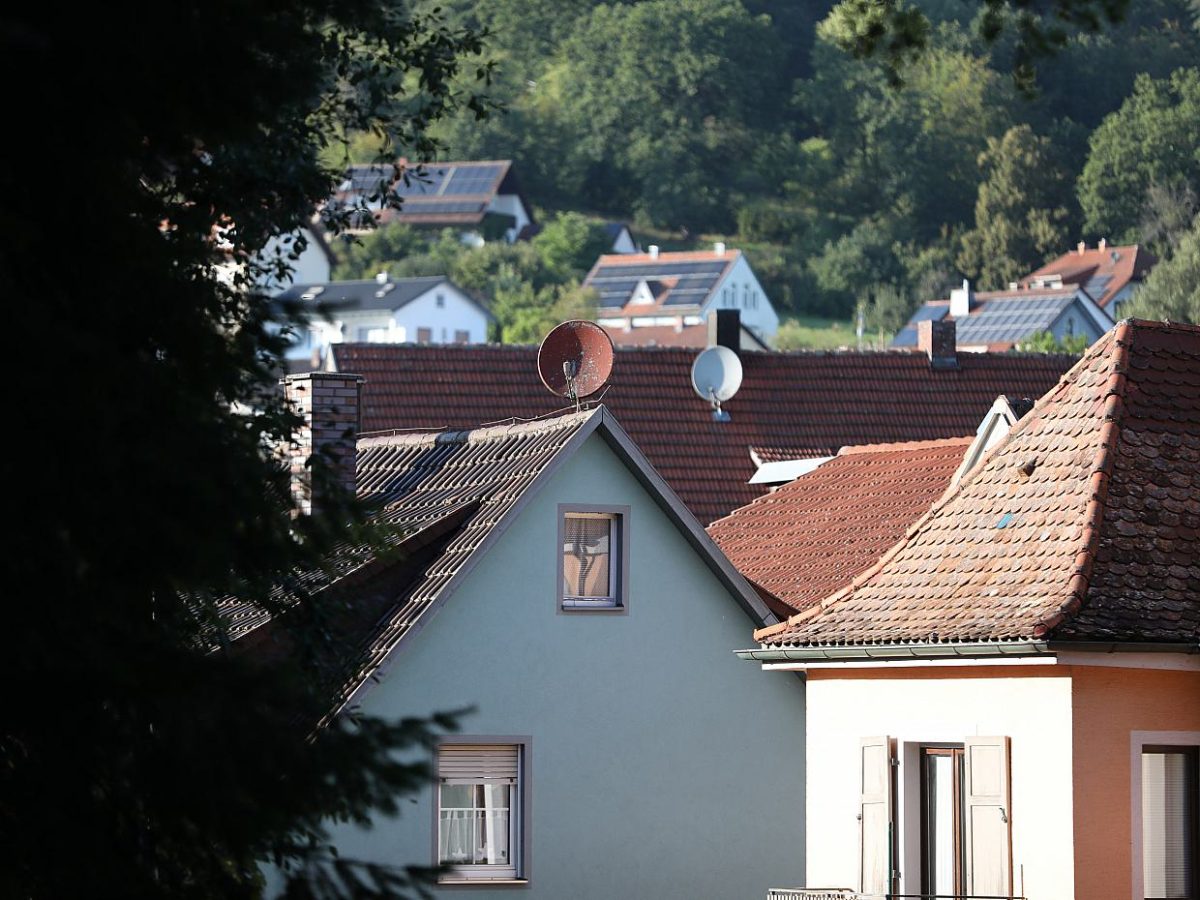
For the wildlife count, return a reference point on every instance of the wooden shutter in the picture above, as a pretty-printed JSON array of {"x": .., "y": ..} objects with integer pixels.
[
  {"x": 987, "y": 826},
  {"x": 478, "y": 763},
  {"x": 875, "y": 815}
]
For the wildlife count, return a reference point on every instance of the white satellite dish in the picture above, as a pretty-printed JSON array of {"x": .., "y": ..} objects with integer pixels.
[{"x": 716, "y": 376}]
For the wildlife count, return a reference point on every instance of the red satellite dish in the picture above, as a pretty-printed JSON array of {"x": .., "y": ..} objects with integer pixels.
[{"x": 575, "y": 359}]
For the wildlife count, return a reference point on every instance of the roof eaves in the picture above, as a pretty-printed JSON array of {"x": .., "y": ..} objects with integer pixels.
[
  {"x": 899, "y": 651},
  {"x": 669, "y": 502}
]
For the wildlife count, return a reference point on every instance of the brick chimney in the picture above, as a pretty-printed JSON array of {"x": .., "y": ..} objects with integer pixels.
[
  {"x": 937, "y": 341},
  {"x": 329, "y": 403},
  {"x": 725, "y": 329}
]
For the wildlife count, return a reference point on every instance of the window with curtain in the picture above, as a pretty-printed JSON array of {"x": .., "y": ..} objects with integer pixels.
[
  {"x": 589, "y": 560},
  {"x": 1169, "y": 823},
  {"x": 479, "y": 810}
]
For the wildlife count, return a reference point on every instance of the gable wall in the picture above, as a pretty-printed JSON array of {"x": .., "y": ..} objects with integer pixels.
[
  {"x": 761, "y": 319},
  {"x": 662, "y": 765},
  {"x": 459, "y": 313}
]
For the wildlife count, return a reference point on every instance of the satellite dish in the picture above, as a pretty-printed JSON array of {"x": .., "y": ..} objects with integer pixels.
[
  {"x": 575, "y": 359},
  {"x": 716, "y": 376}
]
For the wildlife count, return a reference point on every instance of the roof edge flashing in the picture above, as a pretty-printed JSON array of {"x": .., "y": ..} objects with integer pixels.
[{"x": 883, "y": 652}]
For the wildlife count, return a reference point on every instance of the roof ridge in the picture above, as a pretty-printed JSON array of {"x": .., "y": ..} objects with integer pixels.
[
  {"x": 901, "y": 446},
  {"x": 550, "y": 422}
]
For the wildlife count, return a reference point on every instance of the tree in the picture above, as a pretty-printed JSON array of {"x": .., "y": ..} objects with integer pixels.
[
  {"x": 1020, "y": 218},
  {"x": 139, "y": 755},
  {"x": 1172, "y": 289},
  {"x": 1151, "y": 140},
  {"x": 570, "y": 243}
]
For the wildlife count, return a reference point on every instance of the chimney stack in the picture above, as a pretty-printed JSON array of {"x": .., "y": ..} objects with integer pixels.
[
  {"x": 653, "y": 250},
  {"x": 719, "y": 248},
  {"x": 725, "y": 329},
  {"x": 1082, "y": 246},
  {"x": 1103, "y": 243},
  {"x": 937, "y": 340},
  {"x": 329, "y": 403},
  {"x": 961, "y": 300}
]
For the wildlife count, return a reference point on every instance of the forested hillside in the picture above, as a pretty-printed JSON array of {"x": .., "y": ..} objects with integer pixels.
[{"x": 743, "y": 119}]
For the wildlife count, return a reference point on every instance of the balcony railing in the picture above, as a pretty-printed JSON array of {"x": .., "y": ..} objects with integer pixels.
[{"x": 847, "y": 894}]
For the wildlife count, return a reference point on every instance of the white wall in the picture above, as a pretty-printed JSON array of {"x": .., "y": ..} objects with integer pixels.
[
  {"x": 510, "y": 205},
  {"x": 313, "y": 266},
  {"x": 1035, "y": 712},
  {"x": 760, "y": 316}
]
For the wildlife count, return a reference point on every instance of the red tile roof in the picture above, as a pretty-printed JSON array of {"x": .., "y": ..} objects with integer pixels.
[
  {"x": 1107, "y": 269},
  {"x": 1084, "y": 524},
  {"x": 807, "y": 539},
  {"x": 803, "y": 404}
]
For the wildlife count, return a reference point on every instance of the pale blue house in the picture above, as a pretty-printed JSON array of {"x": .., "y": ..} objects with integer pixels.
[{"x": 618, "y": 747}]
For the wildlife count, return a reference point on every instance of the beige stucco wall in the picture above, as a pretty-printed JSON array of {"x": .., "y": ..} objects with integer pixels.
[{"x": 1031, "y": 705}]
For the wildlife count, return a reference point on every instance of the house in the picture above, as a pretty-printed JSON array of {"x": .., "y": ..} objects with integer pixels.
[
  {"x": 638, "y": 290},
  {"x": 313, "y": 264},
  {"x": 480, "y": 198},
  {"x": 539, "y": 566},
  {"x": 427, "y": 310},
  {"x": 695, "y": 337},
  {"x": 1109, "y": 275},
  {"x": 995, "y": 321},
  {"x": 1007, "y": 702},
  {"x": 801, "y": 405}
]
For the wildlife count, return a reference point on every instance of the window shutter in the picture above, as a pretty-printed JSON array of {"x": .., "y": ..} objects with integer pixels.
[
  {"x": 987, "y": 831},
  {"x": 875, "y": 815},
  {"x": 477, "y": 764}
]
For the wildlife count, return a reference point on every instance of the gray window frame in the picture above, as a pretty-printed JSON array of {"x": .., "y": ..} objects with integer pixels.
[
  {"x": 621, "y": 516},
  {"x": 524, "y": 862}
]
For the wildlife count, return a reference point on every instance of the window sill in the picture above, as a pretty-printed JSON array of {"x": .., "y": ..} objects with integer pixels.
[
  {"x": 483, "y": 882},
  {"x": 581, "y": 608}
]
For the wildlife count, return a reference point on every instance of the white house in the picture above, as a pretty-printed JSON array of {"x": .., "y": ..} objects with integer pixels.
[
  {"x": 656, "y": 289},
  {"x": 313, "y": 265},
  {"x": 543, "y": 572},
  {"x": 384, "y": 310}
]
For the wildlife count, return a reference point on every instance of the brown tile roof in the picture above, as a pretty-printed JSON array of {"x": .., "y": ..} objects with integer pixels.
[
  {"x": 1102, "y": 271},
  {"x": 807, "y": 539},
  {"x": 1084, "y": 524},
  {"x": 802, "y": 404}
]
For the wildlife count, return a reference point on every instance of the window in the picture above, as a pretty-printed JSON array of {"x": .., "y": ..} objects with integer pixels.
[
  {"x": 593, "y": 558},
  {"x": 441, "y": 301},
  {"x": 1169, "y": 823},
  {"x": 482, "y": 809},
  {"x": 964, "y": 837},
  {"x": 462, "y": 337},
  {"x": 424, "y": 335}
]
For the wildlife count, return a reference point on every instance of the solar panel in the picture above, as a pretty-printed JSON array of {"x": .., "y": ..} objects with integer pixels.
[
  {"x": 471, "y": 180},
  {"x": 369, "y": 179},
  {"x": 1011, "y": 319}
]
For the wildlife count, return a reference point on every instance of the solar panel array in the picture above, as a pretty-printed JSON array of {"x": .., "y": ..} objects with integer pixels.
[
  {"x": 694, "y": 281},
  {"x": 907, "y": 336},
  {"x": 1011, "y": 319},
  {"x": 428, "y": 193},
  {"x": 1097, "y": 285}
]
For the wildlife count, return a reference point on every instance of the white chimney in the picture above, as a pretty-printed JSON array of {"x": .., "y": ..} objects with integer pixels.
[
  {"x": 719, "y": 248},
  {"x": 1103, "y": 243},
  {"x": 653, "y": 249},
  {"x": 381, "y": 278},
  {"x": 1081, "y": 247},
  {"x": 961, "y": 299}
]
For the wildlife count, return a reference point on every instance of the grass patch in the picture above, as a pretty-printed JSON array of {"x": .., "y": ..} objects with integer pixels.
[{"x": 801, "y": 332}]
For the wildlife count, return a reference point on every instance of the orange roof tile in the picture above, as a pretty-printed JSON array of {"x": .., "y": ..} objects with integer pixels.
[
  {"x": 1084, "y": 524},
  {"x": 810, "y": 537}
]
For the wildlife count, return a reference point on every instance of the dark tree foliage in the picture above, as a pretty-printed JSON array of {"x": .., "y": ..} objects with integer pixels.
[{"x": 167, "y": 138}]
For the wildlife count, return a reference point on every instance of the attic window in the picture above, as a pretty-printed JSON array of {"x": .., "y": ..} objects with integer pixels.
[{"x": 593, "y": 558}]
